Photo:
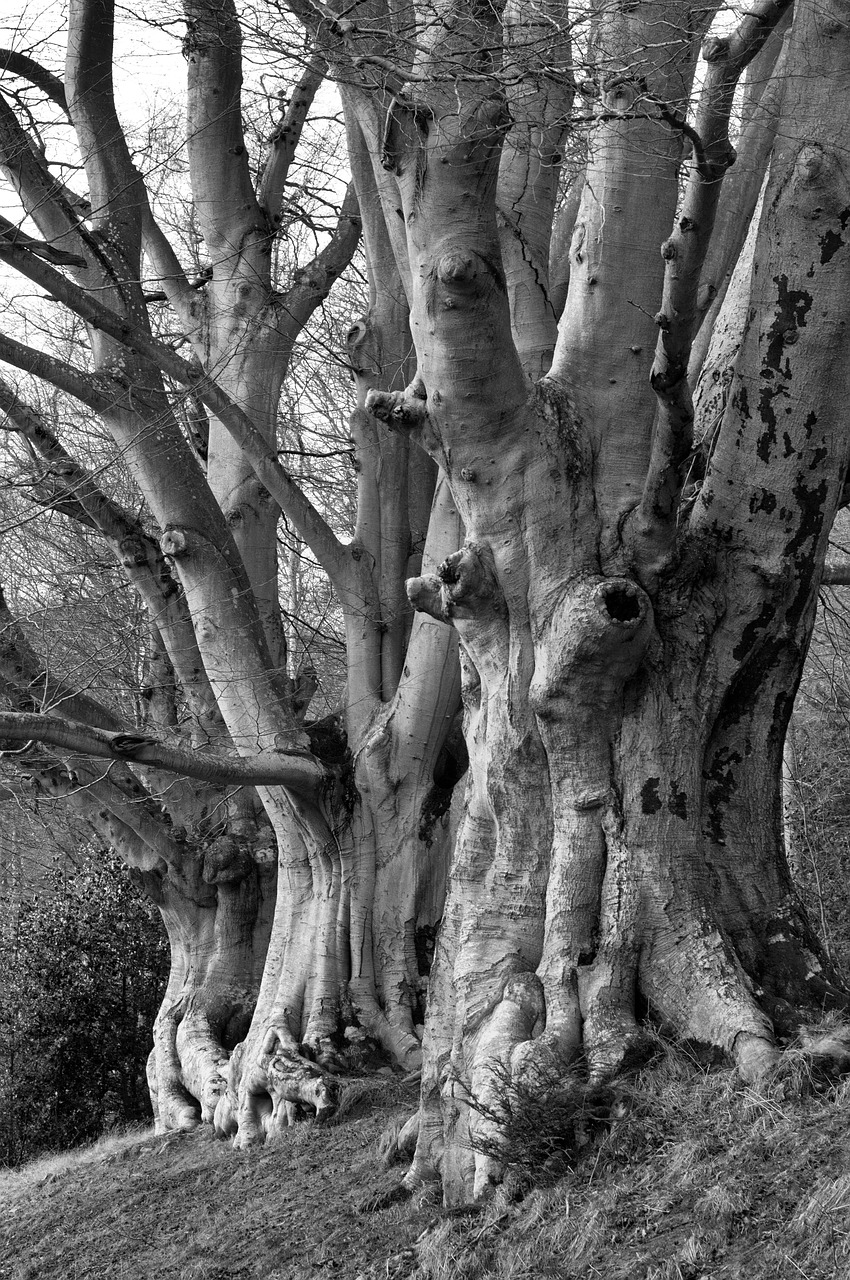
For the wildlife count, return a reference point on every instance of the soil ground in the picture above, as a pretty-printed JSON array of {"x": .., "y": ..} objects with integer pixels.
[{"x": 695, "y": 1176}]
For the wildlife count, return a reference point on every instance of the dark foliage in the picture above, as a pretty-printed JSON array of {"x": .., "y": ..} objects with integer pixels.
[{"x": 83, "y": 964}]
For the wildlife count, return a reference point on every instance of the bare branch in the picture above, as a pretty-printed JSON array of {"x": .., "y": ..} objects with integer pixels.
[
  {"x": 176, "y": 288},
  {"x": 18, "y": 64},
  {"x": 313, "y": 283},
  {"x": 59, "y": 257},
  {"x": 311, "y": 526},
  {"x": 685, "y": 252},
  {"x": 115, "y": 184},
  {"x": 22, "y": 669},
  {"x": 225, "y": 200},
  {"x": 54, "y": 211},
  {"x": 138, "y": 554},
  {"x": 99, "y": 393},
  {"x": 285, "y": 138},
  {"x": 298, "y": 770},
  {"x": 836, "y": 573}
]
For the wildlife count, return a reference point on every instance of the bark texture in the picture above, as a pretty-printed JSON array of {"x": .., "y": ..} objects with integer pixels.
[
  {"x": 300, "y": 867},
  {"x": 632, "y": 626}
]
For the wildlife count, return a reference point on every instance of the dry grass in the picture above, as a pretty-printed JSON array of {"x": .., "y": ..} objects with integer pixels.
[
  {"x": 697, "y": 1177},
  {"x": 53, "y": 1165}
]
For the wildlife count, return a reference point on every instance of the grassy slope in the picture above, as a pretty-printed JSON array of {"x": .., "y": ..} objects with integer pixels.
[{"x": 698, "y": 1176}]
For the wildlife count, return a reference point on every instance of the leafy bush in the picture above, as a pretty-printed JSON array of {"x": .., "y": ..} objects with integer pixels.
[{"x": 83, "y": 963}]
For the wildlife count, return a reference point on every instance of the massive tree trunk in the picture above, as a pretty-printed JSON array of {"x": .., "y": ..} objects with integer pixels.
[
  {"x": 630, "y": 656},
  {"x": 632, "y": 603},
  {"x": 325, "y": 963}
]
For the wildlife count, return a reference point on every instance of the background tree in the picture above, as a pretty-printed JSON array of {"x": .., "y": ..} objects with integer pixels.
[{"x": 353, "y": 806}]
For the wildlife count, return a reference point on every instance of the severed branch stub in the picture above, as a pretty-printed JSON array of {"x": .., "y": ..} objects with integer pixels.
[
  {"x": 464, "y": 586},
  {"x": 400, "y": 409}
]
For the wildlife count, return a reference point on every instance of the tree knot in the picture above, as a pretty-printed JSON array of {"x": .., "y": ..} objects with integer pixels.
[
  {"x": 456, "y": 268},
  {"x": 398, "y": 409},
  {"x": 175, "y": 542},
  {"x": 464, "y": 586}
]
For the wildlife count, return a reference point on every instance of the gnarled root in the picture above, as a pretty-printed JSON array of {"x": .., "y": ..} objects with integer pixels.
[{"x": 264, "y": 1099}]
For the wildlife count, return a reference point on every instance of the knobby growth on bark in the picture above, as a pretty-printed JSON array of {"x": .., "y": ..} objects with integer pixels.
[{"x": 630, "y": 582}]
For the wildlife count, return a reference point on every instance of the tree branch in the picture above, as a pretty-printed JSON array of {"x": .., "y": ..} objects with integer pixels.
[
  {"x": 18, "y": 64},
  {"x": 54, "y": 212},
  {"x": 115, "y": 184},
  {"x": 59, "y": 257},
  {"x": 313, "y": 283},
  {"x": 225, "y": 200},
  {"x": 285, "y": 137},
  {"x": 297, "y": 770},
  {"x": 311, "y": 526},
  {"x": 22, "y": 669},
  {"x": 134, "y": 550},
  {"x": 126, "y": 820},
  {"x": 685, "y": 252},
  {"x": 99, "y": 393},
  {"x": 176, "y": 288}
]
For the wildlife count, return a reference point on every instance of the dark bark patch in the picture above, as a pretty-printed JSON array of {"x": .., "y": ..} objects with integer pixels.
[
  {"x": 721, "y": 787},
  {"x": 434, "y": 807},
  {"x": 763, "y": 500},
  {"x": 650, "y": 798},
  {"x": 793, "y": 305},
  {"x": 678, "y": 802},
  {"x": 741, "y": 401},
  {"x": 811, "y": 503},
  {"x": 751, "y": 631},
  {"x": 831, "y": 241}
]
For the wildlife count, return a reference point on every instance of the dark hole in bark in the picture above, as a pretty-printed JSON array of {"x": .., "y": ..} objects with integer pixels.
[
  {"x": 623, "y": 606},
  {"x": 235, "y": 1029},
  {"x": 448, "y": 573}
]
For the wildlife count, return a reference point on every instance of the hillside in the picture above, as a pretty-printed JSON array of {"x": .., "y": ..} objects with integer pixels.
[{"x": 697, "y": 1176}]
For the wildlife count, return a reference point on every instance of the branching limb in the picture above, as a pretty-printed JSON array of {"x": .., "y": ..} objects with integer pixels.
[
  {"x": 313, "y": 282},
  {"x": 176, "y": 288},
  {"x": 73, "y": 491},
  {"x": 115, "y": 184},
  {"x": 739, "y": 198},
  {"x": 298, "y": 770},
  {"x": 26, "y": 68},
  {"x": 311, "y": 526},
  {"x": 99, "y": 393},
  {"x": 59, "y": 257},
  {"x": 685, "y": 252},
  {"x": 21, "y": 667},
  {"x": 285, "y": 137},
  {"x": 124, "y": 815},
  {"x": 55, "y": 212},
  {"x": 224, "y": 196}
]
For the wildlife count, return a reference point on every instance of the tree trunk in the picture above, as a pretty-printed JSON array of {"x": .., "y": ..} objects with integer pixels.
[{"x": 628, "y": 665}]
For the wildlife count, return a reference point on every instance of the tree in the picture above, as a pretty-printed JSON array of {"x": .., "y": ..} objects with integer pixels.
[
  {"x": 634, "y": 603},
  {"x": 353, "y": 807},
  {"x": 634, "y": 597}
]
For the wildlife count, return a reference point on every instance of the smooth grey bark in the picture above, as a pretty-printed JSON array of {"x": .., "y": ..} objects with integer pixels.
[
  {"x": 632, "y": 626},
  {"x": 269, "y": 987}
]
